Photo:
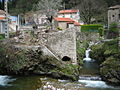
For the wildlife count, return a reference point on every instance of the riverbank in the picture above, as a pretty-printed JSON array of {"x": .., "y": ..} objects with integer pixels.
[
  {"x": 108, "y": 55},
  {"x": 16, "y": 61}
]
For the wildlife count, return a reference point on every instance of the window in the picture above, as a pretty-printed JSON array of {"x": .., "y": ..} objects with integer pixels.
[
  {"x": 113, "y": 15},
  {"x": 71, "y": 16},
  {"x": 119, "y": 16}
]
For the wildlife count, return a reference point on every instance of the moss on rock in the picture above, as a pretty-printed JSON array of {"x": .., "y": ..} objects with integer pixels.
[{"x": 108, "y": 55}]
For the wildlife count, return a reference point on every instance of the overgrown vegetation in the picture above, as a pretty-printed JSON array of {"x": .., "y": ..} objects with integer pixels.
[
  {"x": 2, "y": 36},
  {"x": 113, "y": 31},
  {"x": 25, "y": 62},
  {"x": 108, "y": 55},
  {"x": 98, "y": 28},
  {"x": 81, "y": 48}
]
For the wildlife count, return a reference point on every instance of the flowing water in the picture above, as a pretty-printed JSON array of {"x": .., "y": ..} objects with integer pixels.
[{"x": 89, "y": 79}]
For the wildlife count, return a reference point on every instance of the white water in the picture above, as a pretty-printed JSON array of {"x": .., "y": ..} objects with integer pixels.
[
  {"x": 94, "y": 84},
  {"x": 92, "y": 81},
  {"x": 87, "y": 58},
  {"x": 4, "y": 80}
]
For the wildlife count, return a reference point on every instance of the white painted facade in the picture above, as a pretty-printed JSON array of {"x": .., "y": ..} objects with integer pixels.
[
  {"x": 74, "y": 16},
  {"x": 71, "y": 25}
]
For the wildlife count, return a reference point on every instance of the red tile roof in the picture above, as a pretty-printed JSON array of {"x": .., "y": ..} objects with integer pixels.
[
  {"x": 76, "y": 24},
  {"x": 68, "y": 11},
  {"x": 64, "y": 19},
  {"x": 68, "y": 20},
  {"x": 1, "y": 18}
]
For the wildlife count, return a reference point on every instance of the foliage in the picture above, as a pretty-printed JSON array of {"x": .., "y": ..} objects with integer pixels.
[
  {"x": 113, "y": 30},
  {"x": 108, "y": 55},
  {"x": 22, "y": 6},
  {"x": 11, "y": 59},
  {"x": 2, "y": 36},
  {"x": 101, "y": 31},
  {"x": 58, "y": 28},
  {"x": 91, "y": 8},
  {"x": 114, "y": 27},
  {"x": 93, "y": 28},
  {"x": 49, "y": 7},
  {"x": 69, "y": 69},
  {"x": 81, "y": 48}
]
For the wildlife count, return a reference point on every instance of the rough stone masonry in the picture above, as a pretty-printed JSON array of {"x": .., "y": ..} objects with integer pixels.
[{"x": 63, "y": 44}]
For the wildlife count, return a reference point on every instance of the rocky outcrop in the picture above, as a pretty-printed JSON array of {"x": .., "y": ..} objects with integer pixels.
[
  {"x": 108, "y": 55},
  {"x": 19, "y": 61}
]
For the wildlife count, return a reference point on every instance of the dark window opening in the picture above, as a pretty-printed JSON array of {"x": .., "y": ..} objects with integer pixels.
[
  {"x": 66, "y": 58},
  {"x": 119, "y": 16},
  {"x": 113, "y": 15}
]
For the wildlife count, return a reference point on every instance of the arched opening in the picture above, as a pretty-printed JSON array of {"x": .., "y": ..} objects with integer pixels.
[{"x": 66, "y": 58}]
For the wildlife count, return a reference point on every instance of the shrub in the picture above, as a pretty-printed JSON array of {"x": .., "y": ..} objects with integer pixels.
[
  {"x": 101, "y": 31},
  {"x": 58, "y": 28},
  {"x": 113, "y": 31},
  {"x": 91, "y": 28},
  {"x": 2, "y": 36},
  {"x": 113, "y": 27},
  {"x": 98, "y": 28}
]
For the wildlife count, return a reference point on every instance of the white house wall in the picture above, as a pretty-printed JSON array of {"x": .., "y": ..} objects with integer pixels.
[
  {"x": 73, "y": 16},
  {"x": 2, "y": 25},
  {"x": 70, "y": 25}
]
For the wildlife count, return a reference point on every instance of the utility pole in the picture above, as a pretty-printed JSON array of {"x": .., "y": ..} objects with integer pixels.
[{"x": 6, "y": 20}]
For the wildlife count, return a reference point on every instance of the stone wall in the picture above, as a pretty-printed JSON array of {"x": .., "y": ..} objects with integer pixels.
[
  {"x": 88, "y": 36},
  {"x": 63, "y": 43}
]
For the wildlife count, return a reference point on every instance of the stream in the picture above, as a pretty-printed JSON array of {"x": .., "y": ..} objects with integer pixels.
[{"x": 89, "y": 79}]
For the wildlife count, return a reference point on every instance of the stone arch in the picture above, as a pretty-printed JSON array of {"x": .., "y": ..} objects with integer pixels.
[{"x": 66, "y": 58}]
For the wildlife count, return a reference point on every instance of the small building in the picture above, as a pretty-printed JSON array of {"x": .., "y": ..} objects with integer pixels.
[
  {"x": 67, "y": 19},
  {"x": 2, "y": 21},
  {"x": 114, "y": 14},
  {"x": 73, "y": 14},
  {"x": 64, "y": 23}
]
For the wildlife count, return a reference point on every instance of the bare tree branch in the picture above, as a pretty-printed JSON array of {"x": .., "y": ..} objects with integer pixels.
[{"x": 90, "y": 8}]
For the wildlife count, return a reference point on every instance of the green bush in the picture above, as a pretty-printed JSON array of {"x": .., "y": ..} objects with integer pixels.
[
  {"x": 59, "y": 28},
  {"x": 91, "y": 28},
  {"x": 113, "y": 27},
  {"x": 101, "y": 31},
  {"x": 113, "y": 31}
]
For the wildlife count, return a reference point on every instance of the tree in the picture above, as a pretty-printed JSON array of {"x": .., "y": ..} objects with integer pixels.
[
  {"x": 2, "y": 4},
  {"x": 91, "y": 8},
  {"x": 49, "y": 7}
]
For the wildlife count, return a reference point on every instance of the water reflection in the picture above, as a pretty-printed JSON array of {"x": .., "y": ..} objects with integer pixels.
[{"x": 24, "y": 83}]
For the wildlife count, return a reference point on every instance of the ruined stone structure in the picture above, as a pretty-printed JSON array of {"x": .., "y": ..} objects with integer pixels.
[
  {"x": 114, "y": 14},
  {"x": 63, "y": 44}
]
